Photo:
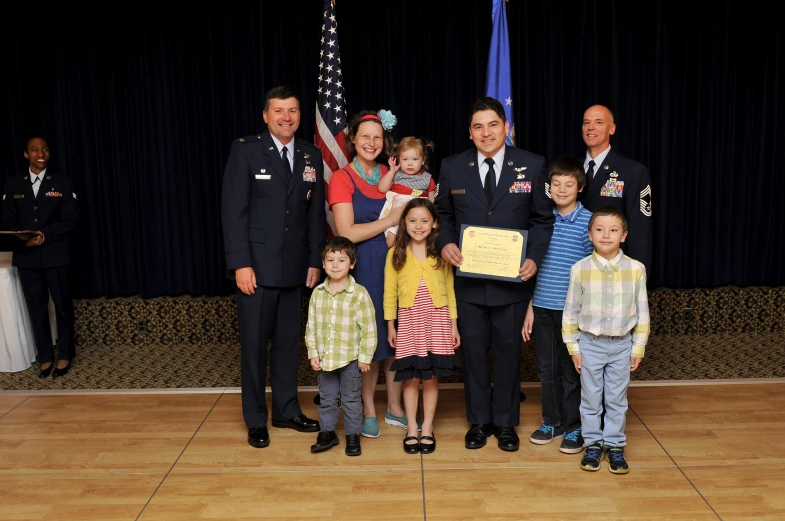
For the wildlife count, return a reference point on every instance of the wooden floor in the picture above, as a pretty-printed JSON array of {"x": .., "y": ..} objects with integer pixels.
[{"x": 695, "y": 451}]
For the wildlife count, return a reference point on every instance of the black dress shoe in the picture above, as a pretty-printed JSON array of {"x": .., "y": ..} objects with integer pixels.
[
  {"x": 61, "y": 372},
  {"x": 523, "y": 397},
  {"x": 324, "y": 441},
  {"x": 258, "y": 437},
  {"x": 353, "y": 445},
  {"x": 508, "y": 439},
  {"x": 299, "y": 423},
  {"x": 477, "y": 434},
  {"x": 44, "y": 373},
  {"x": 427, "y": 448}
]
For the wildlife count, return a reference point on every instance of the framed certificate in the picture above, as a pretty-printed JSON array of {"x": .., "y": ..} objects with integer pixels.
[{"x": 492, "y": 253}]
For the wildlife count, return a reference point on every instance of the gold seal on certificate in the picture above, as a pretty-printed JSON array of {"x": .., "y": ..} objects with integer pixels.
[{"x": 492, "y": 253}]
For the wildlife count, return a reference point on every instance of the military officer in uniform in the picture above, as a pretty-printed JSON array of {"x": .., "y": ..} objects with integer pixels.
[
  {"x": 504, "y": 187},
  {"x": 42, "y": 204},
  {"x": 274, "y": 226},
  {"x": 614, "y": 180}
]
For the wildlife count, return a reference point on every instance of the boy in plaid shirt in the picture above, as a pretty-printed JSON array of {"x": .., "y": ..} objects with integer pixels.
[
  {"x": 605, "y": 326},
  {"x": 341, "y": 339}
]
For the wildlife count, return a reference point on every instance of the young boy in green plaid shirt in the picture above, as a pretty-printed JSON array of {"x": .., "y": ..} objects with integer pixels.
[
  {"x": 341, "y": 339},
  {"x": 605, "y": 326}
]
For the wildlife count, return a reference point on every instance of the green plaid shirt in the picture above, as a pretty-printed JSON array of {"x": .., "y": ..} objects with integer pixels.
[
  {"x": 341, "y": 326},
  {"x": 607, "y": 298}
]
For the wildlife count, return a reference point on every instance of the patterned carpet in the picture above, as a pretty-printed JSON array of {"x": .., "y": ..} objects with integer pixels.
[
  {"x": 186, "y": 366},
  {"x": 188, "y": 342}
]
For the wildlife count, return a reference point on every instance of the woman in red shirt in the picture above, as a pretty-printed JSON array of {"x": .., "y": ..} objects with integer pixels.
[{"x": 356, "y": 204}]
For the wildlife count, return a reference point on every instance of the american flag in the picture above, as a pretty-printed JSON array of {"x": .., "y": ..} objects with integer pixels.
[{"x": 330, "y": 104}]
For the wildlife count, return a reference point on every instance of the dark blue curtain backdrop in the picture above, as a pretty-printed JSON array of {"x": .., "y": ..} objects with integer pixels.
[{"x": 141, "y": 107}]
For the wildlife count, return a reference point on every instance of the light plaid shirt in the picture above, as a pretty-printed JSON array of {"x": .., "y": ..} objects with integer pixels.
[
  {"x": 607, "y": 298},
  {"x": 341, "y": 326}
]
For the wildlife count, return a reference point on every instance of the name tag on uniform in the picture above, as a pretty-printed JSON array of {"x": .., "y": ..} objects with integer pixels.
[
  {"x": 22, "y": 196},
  {"x": 458, "y": 192},
  {"x": 261, "y": 176}
]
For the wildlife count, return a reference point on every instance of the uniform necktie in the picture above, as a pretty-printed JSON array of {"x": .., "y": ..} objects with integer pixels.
[
  {"x": 36, "y": 185},
  {"x": 590, "y": 172},
  {"x": 490, "y": 180},
  {"x": 286, "y": 167}
]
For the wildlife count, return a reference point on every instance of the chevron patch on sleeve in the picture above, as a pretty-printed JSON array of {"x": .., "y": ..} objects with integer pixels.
[{"x": 646, "y": 201}]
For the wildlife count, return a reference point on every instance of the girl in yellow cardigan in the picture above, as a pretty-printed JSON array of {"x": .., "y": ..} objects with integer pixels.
[{"x": 418, "y": 292}]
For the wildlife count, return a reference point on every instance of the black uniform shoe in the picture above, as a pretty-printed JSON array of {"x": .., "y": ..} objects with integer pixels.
[
  {"x": 44, "y": 373},
  {"x": 258, "y": 437},
  {"x": 477, "y": 434},
  {"x": 324, "y": 441},
  {"x": 353, "y": 445},
  {"x": 300, "y": 423},
  {"x": 508, "y": 439}
]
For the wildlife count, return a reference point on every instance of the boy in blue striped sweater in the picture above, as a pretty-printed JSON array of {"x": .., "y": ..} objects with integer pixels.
[{"x": 570, "y": 243}]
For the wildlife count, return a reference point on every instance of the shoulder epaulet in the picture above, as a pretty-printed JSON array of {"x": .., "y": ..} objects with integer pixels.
[{"x": 250, "y": 139}]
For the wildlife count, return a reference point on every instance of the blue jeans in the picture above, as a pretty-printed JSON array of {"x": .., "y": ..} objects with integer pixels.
[{"x": 561, "y": 400}]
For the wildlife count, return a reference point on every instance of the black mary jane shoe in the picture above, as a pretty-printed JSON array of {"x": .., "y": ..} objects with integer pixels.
[
  {"x": 411, "y": 448},
  {"x": 44, "y": 373},
  {"x": 427, "y": 448},
  {"x": 61, "y": 372}
]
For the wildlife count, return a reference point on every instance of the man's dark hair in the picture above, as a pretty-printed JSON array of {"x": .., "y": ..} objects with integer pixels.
[
  {"x": 280, "y": 92},
  {"x": 487, "y": 103}
]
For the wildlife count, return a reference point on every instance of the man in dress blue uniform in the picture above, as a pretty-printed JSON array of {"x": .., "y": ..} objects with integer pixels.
[
  {"x": 43, "y": 205},
  {"x": 614, "y": 180},
  {"x": 273, "y": 213},
  {"x": 503, "y": 187}
]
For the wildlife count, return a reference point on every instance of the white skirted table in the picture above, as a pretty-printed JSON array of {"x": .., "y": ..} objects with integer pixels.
[{"x": 17, "y": 344}]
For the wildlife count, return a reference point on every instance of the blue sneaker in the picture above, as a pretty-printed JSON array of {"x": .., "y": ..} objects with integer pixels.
[
  {"x": 399, "y": 421},
  {"x": 616, "y": 462},
  {"x": 592, "y": 456},
  {"x": 371, "y": 428},
  {"x": 546, "y": 434},
  {"x": 572, "y": 442}
]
